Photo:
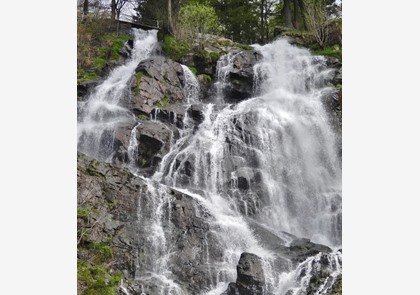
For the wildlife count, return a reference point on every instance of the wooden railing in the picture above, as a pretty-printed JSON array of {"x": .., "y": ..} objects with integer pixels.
[{"x": 141, "y": 21}]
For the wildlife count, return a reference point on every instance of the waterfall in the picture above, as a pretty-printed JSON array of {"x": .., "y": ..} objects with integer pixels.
[
  {"x": 269, "y": 161},
  {"x": 191, "y": 87},
  {"x": 103, "y": 111}
]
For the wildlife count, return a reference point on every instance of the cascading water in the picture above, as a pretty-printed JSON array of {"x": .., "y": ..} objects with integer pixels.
[
  {"x": 269, "y": 161},
  {"x": 191, "y": 87},
  {"x": 103, "y": 111},
  {"x": 272, "y": 158}
]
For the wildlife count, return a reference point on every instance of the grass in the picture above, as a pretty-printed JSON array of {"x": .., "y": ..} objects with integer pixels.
[
  {"x": 333, "y": 51},
  {"x": 83, "y": 76}
]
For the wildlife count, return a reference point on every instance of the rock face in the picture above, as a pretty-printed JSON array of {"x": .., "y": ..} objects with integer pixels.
[
  {"x": 241, "y": 76},
  {"x": 158, "y": 81},
  {"x": 110, "y": 212},
  {"x": 136, "y": 228},
  {"x": 153, "y": 142},
  {"x": 250, "y": 280}
]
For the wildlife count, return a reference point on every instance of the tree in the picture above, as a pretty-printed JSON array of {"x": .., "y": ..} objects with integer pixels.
[
  {"x": 286, "y": 12},
  {"x": 318, "y": 21},
  {"x": 116, "y": 7},
  {"x": 85, "y": 7},
  {"x": 196, "y": 20}
]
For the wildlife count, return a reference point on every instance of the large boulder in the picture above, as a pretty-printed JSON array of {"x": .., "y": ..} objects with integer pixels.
[
  {"x": 241, "y": 76},
  {"x": 158, "y": 82},
  {"x": 250, "y": 277}
]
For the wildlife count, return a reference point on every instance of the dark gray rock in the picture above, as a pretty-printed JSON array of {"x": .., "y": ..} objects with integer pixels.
[
  {"x": 250, "y": 277},
  {"x": 241, "y": 76}
]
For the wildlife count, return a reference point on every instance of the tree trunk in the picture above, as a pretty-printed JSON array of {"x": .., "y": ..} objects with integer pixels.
[
  {"x": 170, "y": 23},
  {"x": 86, "y": 7},
  {"x": 302, "y": 13},
  {"x": 262, "y": 21},
  {"x": 113, "y": 9},
  {"x": 295, "y": 14},
  {"x": 287, "y": 16}
]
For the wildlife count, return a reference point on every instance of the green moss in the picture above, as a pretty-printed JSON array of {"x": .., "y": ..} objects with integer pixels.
[
  {"x": 138, "y": 81},
  {"x": 83, "y": 213},
  {"x": 104, "y": 251},
  {"x": 163, "y": 103},
  {"x": 207, "y": 77},
  {"x": 143, "y": 162},
  {"x": 97, "y": 279},
  {"x": 193, "y": 70},
  {"x": 143, "y": 117},
  {"x": 174, "y": 48}
]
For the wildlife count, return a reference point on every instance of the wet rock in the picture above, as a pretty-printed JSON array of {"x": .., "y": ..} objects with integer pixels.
[
  {"x": 154, "y": 141},
  {"x": 157, "y": 83},
  {"x": 241, "y": 77},
  {"x": 119, "y": 209},
  {"x": 300, "y": 249},
  {"x": 86, "y": 88},
  {"x": 250, "y": 277},
  {"x": 173, "y": 114},
  {"x": 196, "y": 113}
]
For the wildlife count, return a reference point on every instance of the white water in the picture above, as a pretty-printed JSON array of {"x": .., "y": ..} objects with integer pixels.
[
  {"x": 191, "y": 87},
  {"x": 282, "y": 140},
  {"x": 279, "y": 143},
  {"x": 102, "y": 112}
]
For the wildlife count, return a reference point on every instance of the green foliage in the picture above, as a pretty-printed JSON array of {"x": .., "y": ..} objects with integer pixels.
[
  {"x": 334, "y": 51},
  {"x": 174, "y": 48},
  {"x": 104, "y": 251},
  {"x": 196, "y": 19},
  {"x": 214, "y": 55},
  {"x": 206, "y": 77},
  {"x": 99, "y": 63},
  {"x": 98, "y": 43},
  {"x": 83, "y": 76},
  {"x": 96, "y": 279},
  {"x": 193, "y": 70}
]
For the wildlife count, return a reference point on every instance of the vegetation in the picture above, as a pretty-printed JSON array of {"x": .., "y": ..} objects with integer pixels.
[
  {"x": 193, "y": 70},
  {"x": 195, "y": 20},
  {"x": 175, "y": 48},
  {"x": 138, "y": 80},
  {"x": 162, "y": 103},
  {"x": 98, "y": 44},
  {"x": 96, "y": 279},
  {"x": 334, "y": 51}
]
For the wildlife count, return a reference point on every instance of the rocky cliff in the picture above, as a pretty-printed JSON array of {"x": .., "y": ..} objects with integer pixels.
[{"x": 118, "y": 238}]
